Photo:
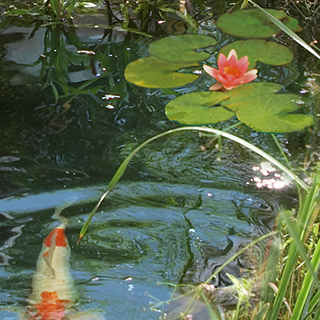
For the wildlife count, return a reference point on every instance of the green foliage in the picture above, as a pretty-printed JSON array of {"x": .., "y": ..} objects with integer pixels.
[
  {"x": 253, "y": 24},
  {"x": 254, "y": 104},
  {"x": 199, "y": 108},
  {"x": 158, "y": 74},
  {"x": 182, "y": 48},
  {"x": 300, "y": 231},
  {"x": 58, "y": 60},
  {"x": 243, "y": 287},
  {"x": 285, "y": 29},
  {"x": 262, "y": 313},
  {"x": 135, "y": 18},
  {"x": 268, "y": 52},
  {"x": 168, "y": 55},
  {"x": 45, "y": 11},
  {"x": 258, "y": 105}
]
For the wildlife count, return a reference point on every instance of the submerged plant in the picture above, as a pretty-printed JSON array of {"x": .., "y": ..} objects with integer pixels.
[{"x": 232, "y": 72}]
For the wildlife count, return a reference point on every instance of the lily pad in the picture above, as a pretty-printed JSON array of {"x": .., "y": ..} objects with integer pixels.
[
  {"x": 253, "y": 24},
  {"x": 198, "y": 108},
  {"x": 268, "y": 52},
  {"x": 182, "y": 48},
  {"x": 151, "y": 72},
  {"x": 260, "y": 107}
]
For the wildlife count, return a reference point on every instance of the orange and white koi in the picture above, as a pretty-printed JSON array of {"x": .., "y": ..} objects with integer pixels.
[{"x": 53, "y": 292}]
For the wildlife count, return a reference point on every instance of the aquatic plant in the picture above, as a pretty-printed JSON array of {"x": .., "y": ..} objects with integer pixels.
[
  {"x": 304, "y": 241},
  {"x": 259, "y": 105},
  {"x": 65, "y": 55},
  {"x": 232, "y": 72}
]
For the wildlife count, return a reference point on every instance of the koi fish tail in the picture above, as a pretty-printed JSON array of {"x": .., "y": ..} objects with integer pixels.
[{"x": 57, "y": 212}]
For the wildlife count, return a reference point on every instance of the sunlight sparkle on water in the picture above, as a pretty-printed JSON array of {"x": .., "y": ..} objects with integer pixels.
[
  {"x": 89, "y": 4},
  {"x": 130, "y": 287},
  {"x": 268, "y": 177},
  {"x": 111, "y": 96},
  {"x": 198, "y": 72}
]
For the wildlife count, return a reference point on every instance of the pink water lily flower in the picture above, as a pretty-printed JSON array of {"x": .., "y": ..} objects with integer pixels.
[{"x": 232, "y": 72}]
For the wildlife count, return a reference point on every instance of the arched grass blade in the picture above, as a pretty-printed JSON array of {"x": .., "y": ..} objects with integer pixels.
[
  {"x": 286, "y": 30},
  {"x": 232, "y": 137}
]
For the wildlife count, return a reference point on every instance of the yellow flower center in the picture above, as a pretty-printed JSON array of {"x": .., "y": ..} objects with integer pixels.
[{"x": 231, "y": 71}]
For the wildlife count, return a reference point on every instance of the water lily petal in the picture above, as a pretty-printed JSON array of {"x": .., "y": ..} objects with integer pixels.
[
  {"x": 229, "y": 88},
  {"x": 231, "y": 79},
  {"x": 249, "y": 76},
  {"x": 222, "y": 61},
  {"x": 232, "y": 72},
  {"x": 228, "y": 85},
  {"x": 222, "y": 79},
  {"x": 215, "y": 87},
  {"x": 232, "y": 62},
  {"x": 243, "y": 65},
  {"x": 232, "y": 53},
  {"x": 211, "y": 71}
]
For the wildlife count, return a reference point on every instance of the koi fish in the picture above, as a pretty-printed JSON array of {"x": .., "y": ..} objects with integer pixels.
[{"x": 53, "y": 292}]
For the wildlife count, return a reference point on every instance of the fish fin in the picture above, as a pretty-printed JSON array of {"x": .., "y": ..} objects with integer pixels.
[
  {"x": 48, "y": 262},
  {"x": 48, "y": 255}
]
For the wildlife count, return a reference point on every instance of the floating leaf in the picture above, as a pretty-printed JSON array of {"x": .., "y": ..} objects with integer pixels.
[
  {"x": 260, "y": 107},
  {"x": 168, "y": 56},
  {"x": 253, "y": 24},
  {"x": 182, "y": 48},
  {"x": 198, "y": 108},
  {"x": 151, "y": 72},
  {"x": 268, "y": 52}
]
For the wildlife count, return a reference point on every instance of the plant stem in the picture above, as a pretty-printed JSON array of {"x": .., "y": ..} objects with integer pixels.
[{"x": 232, "y": 137}]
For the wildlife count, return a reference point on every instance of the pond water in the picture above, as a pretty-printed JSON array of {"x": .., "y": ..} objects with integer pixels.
[{"x": 182, "y": 208}]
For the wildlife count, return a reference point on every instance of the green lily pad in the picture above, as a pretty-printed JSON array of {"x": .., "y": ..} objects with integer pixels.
[
  {"x": 253, "y": 24},
  {"x": 182, "y": 48},
  {"x": 198, "y": 108},
  {"x": 151, "y": 72},
  {"x": 260, "y": 107},
  {"x": 268, "y": 52},
  {"x": 168, "y": 56}
]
